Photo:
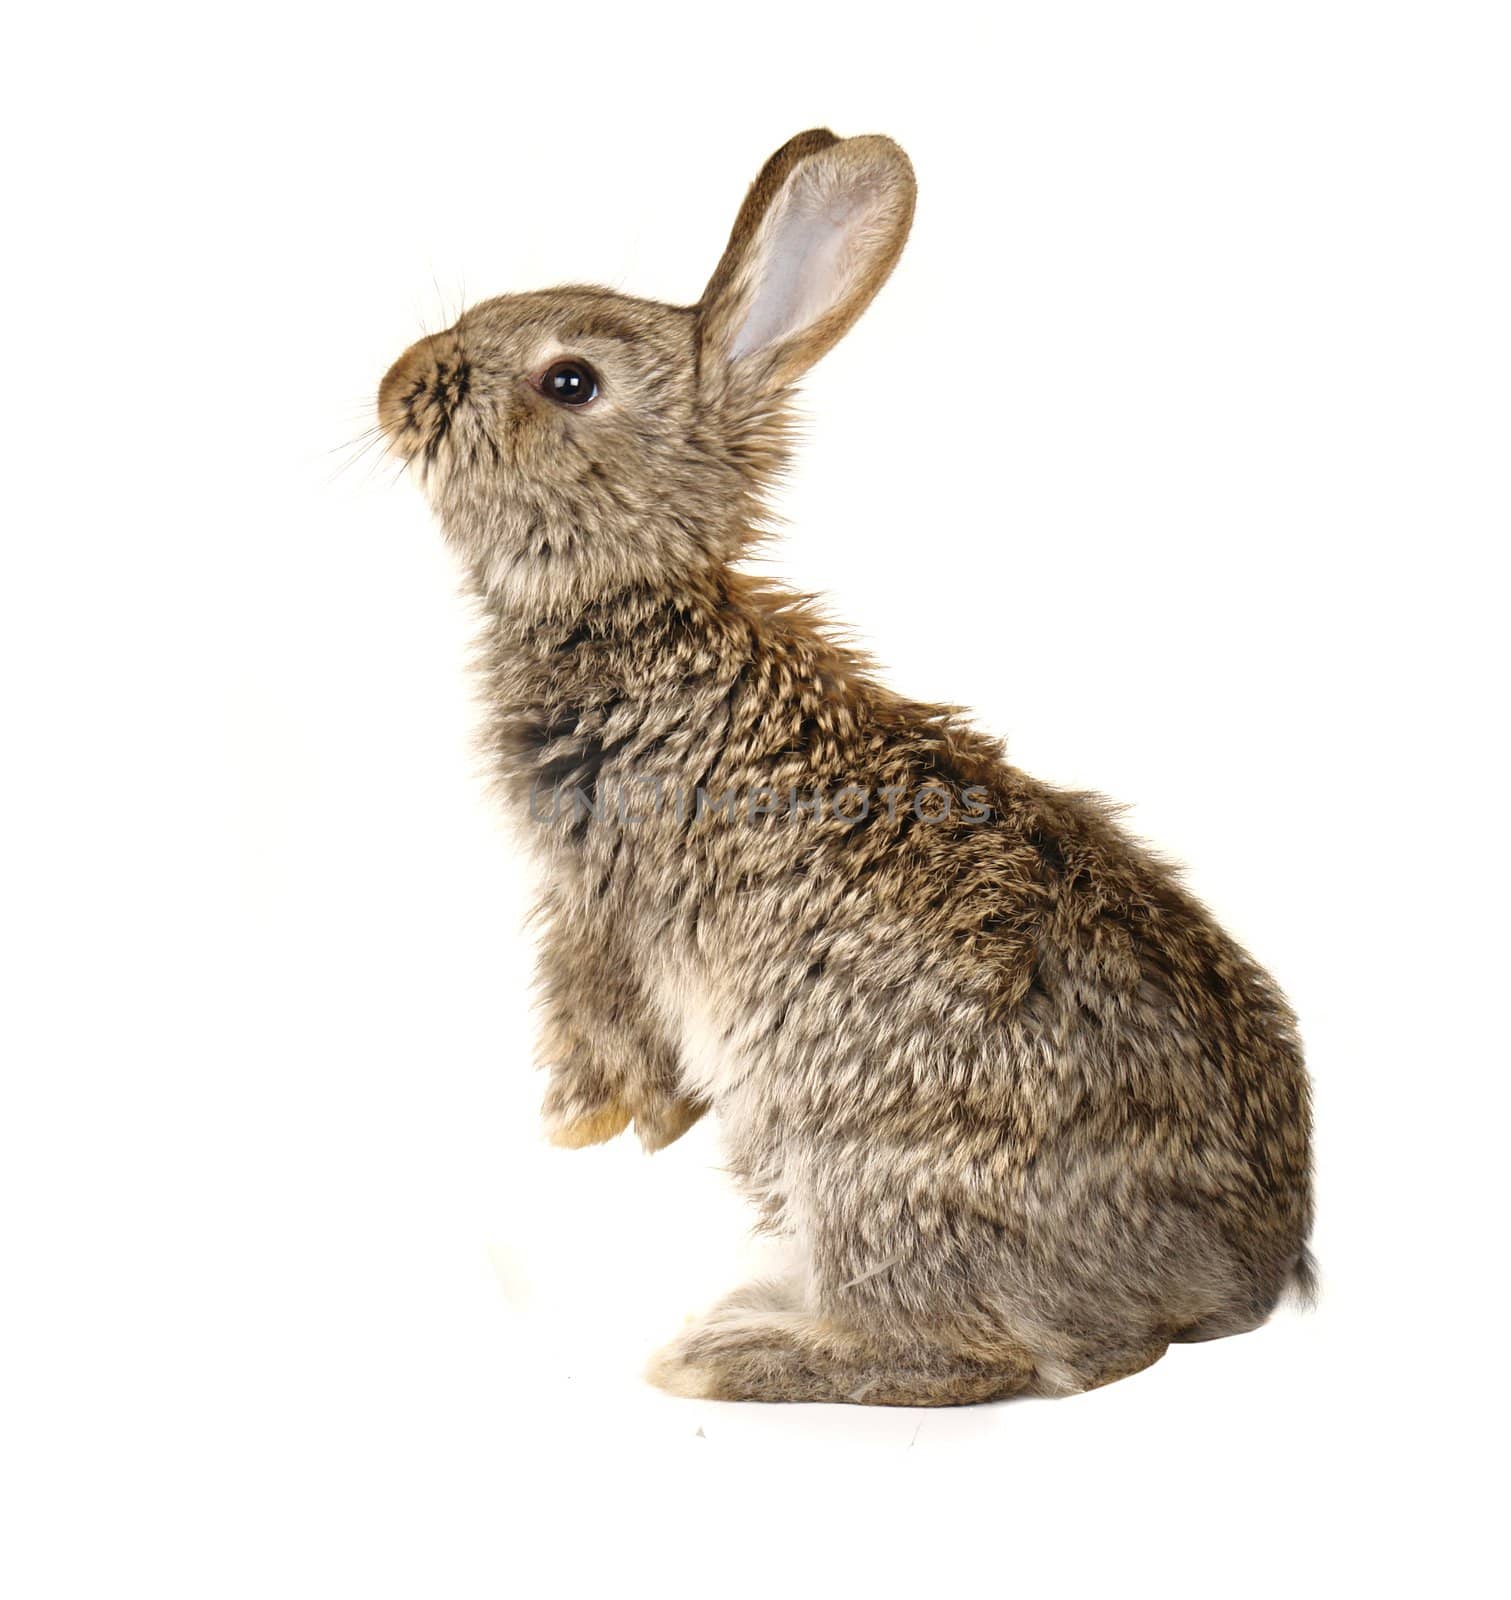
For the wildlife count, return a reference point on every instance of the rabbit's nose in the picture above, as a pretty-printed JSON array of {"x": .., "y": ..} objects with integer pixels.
[{"x": 409, "y": 375}]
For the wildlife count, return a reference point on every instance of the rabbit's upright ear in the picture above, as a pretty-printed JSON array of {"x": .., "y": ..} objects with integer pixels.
[{"x": 819, "y": 232}]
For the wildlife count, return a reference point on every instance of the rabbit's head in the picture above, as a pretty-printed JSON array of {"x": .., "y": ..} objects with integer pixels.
[{"x": 576, "y": 442}]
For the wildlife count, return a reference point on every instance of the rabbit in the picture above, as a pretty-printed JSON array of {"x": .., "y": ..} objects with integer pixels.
[{"x": 1024, "y": 1113}]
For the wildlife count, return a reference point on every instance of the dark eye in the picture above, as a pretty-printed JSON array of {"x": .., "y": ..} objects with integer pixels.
[{"x": 569, "y": 383}]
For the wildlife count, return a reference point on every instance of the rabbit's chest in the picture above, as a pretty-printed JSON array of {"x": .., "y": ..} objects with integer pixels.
[{"x": 709, "y": 1033}]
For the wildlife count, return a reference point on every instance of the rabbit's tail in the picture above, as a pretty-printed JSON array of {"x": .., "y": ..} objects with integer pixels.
[{"x": 1305, "y": 1281}]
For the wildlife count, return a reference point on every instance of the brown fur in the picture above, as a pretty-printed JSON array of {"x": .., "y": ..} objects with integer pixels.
[{"x": 1027, "y": 1113}]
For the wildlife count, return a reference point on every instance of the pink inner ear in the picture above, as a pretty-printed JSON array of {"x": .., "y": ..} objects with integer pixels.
[{"x": 803, "y": 261}]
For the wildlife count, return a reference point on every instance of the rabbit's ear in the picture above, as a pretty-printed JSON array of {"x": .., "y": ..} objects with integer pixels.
[{"x": 818, "y": 234}]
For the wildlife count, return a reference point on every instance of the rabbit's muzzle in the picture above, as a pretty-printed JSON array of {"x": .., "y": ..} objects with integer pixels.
[{"x": 420, "y": 396}]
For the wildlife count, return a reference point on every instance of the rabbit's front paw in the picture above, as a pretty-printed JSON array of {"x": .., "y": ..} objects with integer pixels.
[
  {"x": 574, "y": 1123},
  {"x": 597, "y": 1127},
  {"x": 666, "y": 1120}
]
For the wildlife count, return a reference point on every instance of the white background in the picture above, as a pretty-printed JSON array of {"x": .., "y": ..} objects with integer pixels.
[{"x": 1176, "y": 448}]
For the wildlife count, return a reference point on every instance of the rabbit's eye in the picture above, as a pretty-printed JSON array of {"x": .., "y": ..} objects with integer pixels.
[{"x": 569, "y": 383}]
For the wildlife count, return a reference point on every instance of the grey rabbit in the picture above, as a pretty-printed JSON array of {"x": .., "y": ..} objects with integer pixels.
[{"x": 1024, "y": 1111}]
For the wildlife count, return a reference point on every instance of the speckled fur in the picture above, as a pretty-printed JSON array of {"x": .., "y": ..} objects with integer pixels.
[{"x": 1024, "y": 1109}]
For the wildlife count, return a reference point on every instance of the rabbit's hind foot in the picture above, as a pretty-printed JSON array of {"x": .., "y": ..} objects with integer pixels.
[{"x": 750, "y": 1352}]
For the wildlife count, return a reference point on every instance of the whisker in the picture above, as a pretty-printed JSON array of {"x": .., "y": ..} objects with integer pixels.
[
  {"x": 363, "y": 445},
  {"x": 365, "y": 437}
]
